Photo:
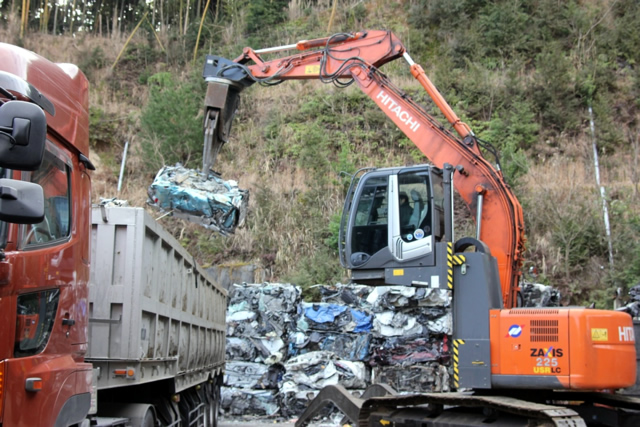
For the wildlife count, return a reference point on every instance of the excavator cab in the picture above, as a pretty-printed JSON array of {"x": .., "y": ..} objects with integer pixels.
[{"x": 392, "y": 220}]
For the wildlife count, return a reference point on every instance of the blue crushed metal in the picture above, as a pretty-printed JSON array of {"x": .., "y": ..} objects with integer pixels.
[{"x": 209, "y": 200}]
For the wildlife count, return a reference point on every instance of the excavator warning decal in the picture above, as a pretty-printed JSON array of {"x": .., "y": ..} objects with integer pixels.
[
  {"x": 451, "y": 261},
  {"x": 312, "y": 69},
  {"x": 599, "y": 334},
  {"x": 456, "y": 362}
]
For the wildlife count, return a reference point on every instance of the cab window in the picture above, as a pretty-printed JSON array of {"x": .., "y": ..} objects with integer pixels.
[
  {"x": 35, "y": 318},
  {"x": 54, "y": 178},
  {"x": 369, "y": 233},
  {"x": 413, "y": 204}
]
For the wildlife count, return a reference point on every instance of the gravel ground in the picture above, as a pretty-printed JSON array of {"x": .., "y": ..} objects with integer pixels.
[{"x": 231, "y": 422}]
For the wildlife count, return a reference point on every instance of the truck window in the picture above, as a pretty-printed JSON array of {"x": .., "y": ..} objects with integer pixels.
[
  {"x": 54, "y": 177},
  {"x": 35, "y": 317}
]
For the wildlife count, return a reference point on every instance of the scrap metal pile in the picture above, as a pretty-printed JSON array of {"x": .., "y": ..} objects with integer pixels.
[
  {"x": 259, "y": 318},
  {"x": 282, "y": 351},
  {"x": 207, "y": 200}
]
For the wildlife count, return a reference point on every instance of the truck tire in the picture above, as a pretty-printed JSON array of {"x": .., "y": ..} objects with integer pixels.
[
  {"x": 213, "y": 403},
  {"x": 149, "y": 419},
  {"x": 216, "y": 403}
]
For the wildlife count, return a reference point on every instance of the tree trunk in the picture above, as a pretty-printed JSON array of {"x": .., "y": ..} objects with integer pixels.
[
  {"x": 121, "y": 22},
  {"x": 186, "y": 18},
  {"x": 72, "y": 17},
  {"x": 180, "y": 18},
  {"x": 44, "y": 18},
  {"x": 84, "y": 15},
  {"x": 114, "y": 21},
  {"x": 55, "y": 18}
]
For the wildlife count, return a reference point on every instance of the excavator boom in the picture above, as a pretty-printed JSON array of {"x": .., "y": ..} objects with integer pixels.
[{"x": 343, "y": 59}]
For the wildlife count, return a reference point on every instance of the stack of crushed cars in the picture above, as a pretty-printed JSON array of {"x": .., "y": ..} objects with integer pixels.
[
  {"x": 259, "y": 320},
  {"x": 281, "y": 351},
  {"x": 409, "y": 346}
]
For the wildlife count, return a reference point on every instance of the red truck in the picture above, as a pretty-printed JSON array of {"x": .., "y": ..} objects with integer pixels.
[{"x": 104, "y": 318}]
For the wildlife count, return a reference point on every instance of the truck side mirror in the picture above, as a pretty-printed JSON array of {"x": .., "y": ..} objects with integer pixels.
[
  {"x": 21, "y": 202},
  {"x": 23, "y": 133}
]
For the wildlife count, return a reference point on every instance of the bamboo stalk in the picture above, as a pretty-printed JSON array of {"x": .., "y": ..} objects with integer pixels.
[
  {"x": 129, "y": 39},
  {"x": 333, "y": 14},
  {"x": 186, "y": 18},
  {"x": 204, "y": 13},
  {"x": 22, "y": 17},
  {"x": 156, "y": 34}
]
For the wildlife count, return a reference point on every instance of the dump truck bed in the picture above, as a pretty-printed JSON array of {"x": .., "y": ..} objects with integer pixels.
[{"x": 154, "y": 314}]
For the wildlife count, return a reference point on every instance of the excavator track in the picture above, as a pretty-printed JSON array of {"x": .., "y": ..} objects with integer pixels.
[
  {"x": 374, "y": 411},
  {"x": 380, "y": 405}
]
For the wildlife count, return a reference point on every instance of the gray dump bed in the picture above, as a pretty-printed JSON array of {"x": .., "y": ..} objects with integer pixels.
[{"x": 153, "y": 311}]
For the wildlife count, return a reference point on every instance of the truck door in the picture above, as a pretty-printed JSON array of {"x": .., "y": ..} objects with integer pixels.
[{"x": 50, "y": 245}]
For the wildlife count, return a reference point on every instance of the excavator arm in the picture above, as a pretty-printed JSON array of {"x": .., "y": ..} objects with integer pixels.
[{"x": 344, "y": 59}]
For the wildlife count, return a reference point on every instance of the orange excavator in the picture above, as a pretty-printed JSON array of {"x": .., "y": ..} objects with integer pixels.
[{"x": 515, "y": 366}]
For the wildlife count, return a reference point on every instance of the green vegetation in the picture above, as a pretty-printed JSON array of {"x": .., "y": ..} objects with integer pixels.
[
  {"x": 172, "y": 130},
  {"x": 521, "y": 73}
]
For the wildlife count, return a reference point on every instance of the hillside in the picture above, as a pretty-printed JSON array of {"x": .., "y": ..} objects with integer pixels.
[{"x": 522, "y": 74}]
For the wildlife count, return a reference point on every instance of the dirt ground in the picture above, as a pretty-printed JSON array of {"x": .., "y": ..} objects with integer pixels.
[{"x": 230, "y": 422}]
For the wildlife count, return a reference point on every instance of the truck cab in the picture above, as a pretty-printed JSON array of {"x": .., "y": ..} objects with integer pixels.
[{"x": 44, "y": 241}]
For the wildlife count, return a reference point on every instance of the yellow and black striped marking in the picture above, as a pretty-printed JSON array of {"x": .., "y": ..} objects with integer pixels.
[
  {"x": 451, "y": 261},
  {"x": 456, "y": 360}
]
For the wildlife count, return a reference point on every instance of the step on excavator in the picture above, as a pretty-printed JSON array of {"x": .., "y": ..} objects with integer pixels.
[{"x": 511, "y": 365}]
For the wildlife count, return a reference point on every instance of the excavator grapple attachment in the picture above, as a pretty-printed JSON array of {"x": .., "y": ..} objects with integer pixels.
[
  {"x": 221, "y": 103},
  {"x": 225, "y": 80},
  {"x": 203, "y": 196}
]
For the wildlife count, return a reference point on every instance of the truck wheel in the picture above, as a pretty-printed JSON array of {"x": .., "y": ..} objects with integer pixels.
[
  {"x": 213, "y": 404},
  {"x": 216, "y": 403},
  {"x": 149, "y": 420}
]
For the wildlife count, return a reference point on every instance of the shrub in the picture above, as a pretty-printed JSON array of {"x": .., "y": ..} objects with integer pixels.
[
  {"x": 103, "y": 128},
  {"x": 171, "y": 128}
]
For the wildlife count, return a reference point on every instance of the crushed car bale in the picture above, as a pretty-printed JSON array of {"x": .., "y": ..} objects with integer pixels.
[{"x": 208, "y": 200}]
